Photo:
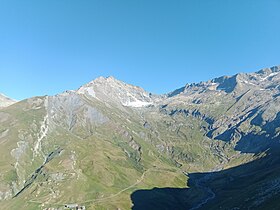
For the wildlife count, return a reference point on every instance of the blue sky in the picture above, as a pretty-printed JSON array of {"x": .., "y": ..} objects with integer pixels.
[{"x": 49, "y": 46}]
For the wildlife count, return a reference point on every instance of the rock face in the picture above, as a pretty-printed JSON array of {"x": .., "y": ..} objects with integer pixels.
[
  {"x": 101, "y": 142},
  {"x": 5, "y": 101},
  {"x": 114, "y": 91},
  {"x": 234, "y": 106}
]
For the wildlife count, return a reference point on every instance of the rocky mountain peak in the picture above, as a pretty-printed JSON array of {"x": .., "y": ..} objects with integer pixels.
[
  {"x": 265, "y": 71},
  {"x": 105, "y": 80},
  {"x": 5, "y": 101},
  {"x": 260, "y": 80},
  {"x": 111, "y": 90}
]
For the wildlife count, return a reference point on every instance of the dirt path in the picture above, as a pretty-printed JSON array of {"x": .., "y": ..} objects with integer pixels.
[{"x": 98, "y": 200}]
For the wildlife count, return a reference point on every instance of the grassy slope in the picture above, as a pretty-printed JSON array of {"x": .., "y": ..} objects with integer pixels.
[
  {"x": 102, "y": 170},
  {"x": 95, "y": 170}
]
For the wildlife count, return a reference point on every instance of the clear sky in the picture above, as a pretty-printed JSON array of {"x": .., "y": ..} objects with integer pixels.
[{"x": 49, "y": 46}]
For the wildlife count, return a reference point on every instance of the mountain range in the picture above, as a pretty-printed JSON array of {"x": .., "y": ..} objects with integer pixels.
[{"x": 112, "y": 145}]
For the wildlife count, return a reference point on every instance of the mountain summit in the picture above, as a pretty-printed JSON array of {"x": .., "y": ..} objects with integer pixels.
[
  {"x": 266, "y": 78},
  {"x": 112, "y": 90}
]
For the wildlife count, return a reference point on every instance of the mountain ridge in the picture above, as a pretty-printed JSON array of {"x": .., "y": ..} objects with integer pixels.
[
  {"x": 144, "y": 98},
  {"x": 110, "y": 89},
  {"x": 103, "y": 82}
]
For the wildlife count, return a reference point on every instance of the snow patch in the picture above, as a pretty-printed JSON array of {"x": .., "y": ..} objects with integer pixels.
[
  {"x": 133, "y": 101},
  {"x": 270, "y": 75},
  {"x": 137, "y": 103},
  {"x": 247, "y": 82}
]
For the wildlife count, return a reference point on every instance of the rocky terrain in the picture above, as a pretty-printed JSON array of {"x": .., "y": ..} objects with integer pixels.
[
  {"x": 111, "y": 145},
  {"x": 5, "y": 101}
]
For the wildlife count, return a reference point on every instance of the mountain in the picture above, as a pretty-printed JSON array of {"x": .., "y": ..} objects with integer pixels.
[
  {"x": 111, "y": 90},
  {"x": 111, "y": 145},
  {"x": 5, "y": 101}
]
